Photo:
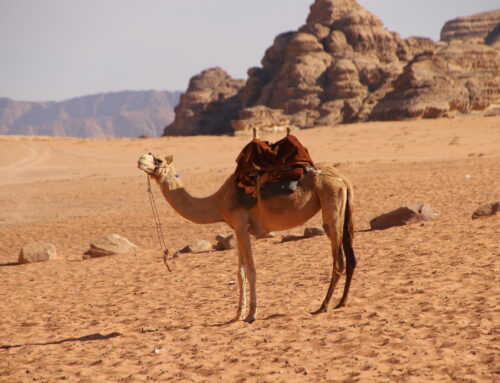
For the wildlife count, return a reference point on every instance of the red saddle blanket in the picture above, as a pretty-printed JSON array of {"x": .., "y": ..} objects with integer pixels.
[{"x": 283, "y": 160}]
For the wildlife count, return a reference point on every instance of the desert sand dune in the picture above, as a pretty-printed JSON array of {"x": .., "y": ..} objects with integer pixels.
[{"x": 423, "y": 304}]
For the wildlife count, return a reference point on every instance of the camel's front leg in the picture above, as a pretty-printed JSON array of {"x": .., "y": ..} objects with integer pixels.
[
  {"x": 245, "y": 254},
  {"x": 242, "y": 283}
]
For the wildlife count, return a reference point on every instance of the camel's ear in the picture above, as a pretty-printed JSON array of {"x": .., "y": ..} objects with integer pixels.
[{"x": 169, "y": 159}]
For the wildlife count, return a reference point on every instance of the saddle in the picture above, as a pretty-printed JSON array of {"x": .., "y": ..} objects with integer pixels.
[{"x": 261, "y": 163}]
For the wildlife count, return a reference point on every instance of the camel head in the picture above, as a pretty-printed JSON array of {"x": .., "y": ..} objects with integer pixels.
[{"x": 155, "y": 165}]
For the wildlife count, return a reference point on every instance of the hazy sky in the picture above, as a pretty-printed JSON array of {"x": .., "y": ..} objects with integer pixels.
[{"x": 59, "y": 49}]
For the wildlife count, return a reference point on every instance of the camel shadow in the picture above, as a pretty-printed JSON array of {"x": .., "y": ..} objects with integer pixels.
[
  {"x": 9, "y": 264},
  {"x": 85, "y": 338}
]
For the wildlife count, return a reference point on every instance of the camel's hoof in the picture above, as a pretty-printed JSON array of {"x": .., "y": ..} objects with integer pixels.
[
  {"x": 249, "y": 319},
  {"x": 319, "y": 311},
  {"x": 339, "y": 306}
]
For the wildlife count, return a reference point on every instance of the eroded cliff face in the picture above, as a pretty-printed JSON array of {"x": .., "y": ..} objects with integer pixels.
[
  {"x": 331, "y": 69},
  {"x": 343, "y": 66},
  {"x": 477, "y": 26},
  {"x": 207, "y": 107}
]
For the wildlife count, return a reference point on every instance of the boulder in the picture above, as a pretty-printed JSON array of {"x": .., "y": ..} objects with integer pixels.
[
  {"x": 110, "y": 244},
  {"x": 487, "y": 210},
  {"x": 402, "y": 216},
  {"x": 37, "y": 252},
  {"x": 225, "y": 243}
]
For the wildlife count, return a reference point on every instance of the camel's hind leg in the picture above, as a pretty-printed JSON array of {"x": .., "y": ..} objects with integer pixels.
[{"x": 332, "y": 210}]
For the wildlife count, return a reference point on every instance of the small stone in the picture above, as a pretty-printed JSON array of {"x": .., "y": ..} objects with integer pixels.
[
  {"x": 197, "y": 247},
  {"x": 487, "y": 210},
  {"x": 177, "y": 254},
  {"x": 225, "y": 243},
  {"x": 37, "y": 252},
  {"x": 312, "y": 231},
  {"x": 291, "y": 237}
]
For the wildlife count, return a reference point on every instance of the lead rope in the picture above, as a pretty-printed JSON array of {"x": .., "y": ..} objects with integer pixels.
[{"x": 159, "y": 232}]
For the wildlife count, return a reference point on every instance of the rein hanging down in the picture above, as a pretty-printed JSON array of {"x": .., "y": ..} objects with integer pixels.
[{"x": 159, "y": 231}]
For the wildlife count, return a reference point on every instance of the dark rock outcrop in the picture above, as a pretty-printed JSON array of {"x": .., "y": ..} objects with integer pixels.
[
  {"x": 120, "y": 114},
  {"x": 209, "y": 104}
]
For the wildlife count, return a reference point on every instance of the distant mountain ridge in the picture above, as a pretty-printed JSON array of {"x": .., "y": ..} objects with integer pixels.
[{"x": 115, "y": 114}]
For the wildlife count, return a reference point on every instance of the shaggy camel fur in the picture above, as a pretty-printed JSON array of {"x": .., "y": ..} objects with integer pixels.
[{"x": 322, "y": 188}]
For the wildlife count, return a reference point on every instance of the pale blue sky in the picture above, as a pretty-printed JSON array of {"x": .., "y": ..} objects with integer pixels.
[{"x": 59, "y": 49}]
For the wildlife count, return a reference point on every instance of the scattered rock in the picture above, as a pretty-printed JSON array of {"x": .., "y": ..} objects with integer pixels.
[
  {"x": 291, "y": 237},
  {"x": 225, "y": 243},
  {"x": 197, "y": 247},
  {"x": 487, "y": 210},
  {"x": 110, "y": 244},
  {"x": 37, "y": 252},
  {"x": 402, "y": 216},
  {"x": 312, "y": 231},
  {"x": 271, "y": 234}
]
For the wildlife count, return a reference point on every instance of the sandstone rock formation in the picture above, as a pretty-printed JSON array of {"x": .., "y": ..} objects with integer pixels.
[
  {"x": 402, "y": 216},
  {"x": 343, "y": 66},
  {"x": 457, "y": 78},
  {"x": 37, "y": 252},
  {"x": 119, "y": 114},
  {"x": 477, "y": 26},
  {"x": 111, "y": 244},
  {"x": 262, "y": 117},
  {"x": 208, "y": 105}
]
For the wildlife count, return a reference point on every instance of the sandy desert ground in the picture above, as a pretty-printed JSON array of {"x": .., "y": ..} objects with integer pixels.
[{"x": 424, "y": 301}]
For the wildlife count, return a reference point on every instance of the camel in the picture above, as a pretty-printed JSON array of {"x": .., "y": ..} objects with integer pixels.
[{"x": 322, "y": 188}]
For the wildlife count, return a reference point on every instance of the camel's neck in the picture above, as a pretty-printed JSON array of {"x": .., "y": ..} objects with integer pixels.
[{"x": 197, "y": 210}]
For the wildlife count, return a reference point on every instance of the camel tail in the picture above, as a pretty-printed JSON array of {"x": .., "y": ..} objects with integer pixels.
[{"x": 347, "y": 242}]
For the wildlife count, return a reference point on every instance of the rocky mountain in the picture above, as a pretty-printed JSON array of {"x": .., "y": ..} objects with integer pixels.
[
  {"x": 470, "y": 27},
  {"x": 118, "y": 114},
  {"x": 343, "y": 66}
]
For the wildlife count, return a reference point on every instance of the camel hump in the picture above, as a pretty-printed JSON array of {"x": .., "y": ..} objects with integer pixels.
[{"x": 274, "y": 162}]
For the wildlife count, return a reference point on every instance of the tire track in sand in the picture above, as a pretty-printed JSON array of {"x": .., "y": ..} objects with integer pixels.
[{"x": 30, "y": 156}]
